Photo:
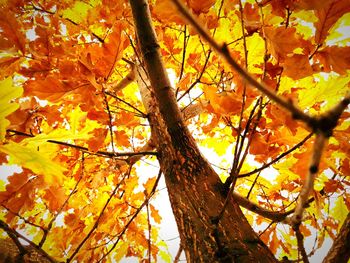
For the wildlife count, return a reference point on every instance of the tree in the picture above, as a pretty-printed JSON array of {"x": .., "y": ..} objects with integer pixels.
[{"x": 86, "y": 98}]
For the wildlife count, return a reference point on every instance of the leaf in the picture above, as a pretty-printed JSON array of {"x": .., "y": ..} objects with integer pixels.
[
  {"x": 149, "y": 184},
  {"x": 224, "y": 103},
  {"x": 165, "y": 256},
  {"x": 55, "y": 196},
  {"x": 121, "y": 250},
  {"x": 340, "y": 210},
  {"x": 155, "y": 214},
  {"x": 11, "y": 35},
  {"x": 201, "y": 6},
  {"x": 7, "y": 93},
  {"x": 281, "y": 41},
  {"x": 335, "y": 58},
  {"x": 35, "y": 161},
  {"x": 51, "y": 88},
  {"x": 78, "y": 12},
  {"x": 328, "y": 16},
  {"x": 297, "y": 66}
]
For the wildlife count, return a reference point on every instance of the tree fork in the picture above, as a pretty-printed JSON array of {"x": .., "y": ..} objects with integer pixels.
[{"x": 195, "y": 190}]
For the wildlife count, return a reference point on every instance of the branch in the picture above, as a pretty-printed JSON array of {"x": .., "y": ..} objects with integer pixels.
[
  {"x": 300, "y": 240},
  {"x": 318, "y": 147},
  {"x": 225, "y": 53},
  {"x": 340, "y": 250},
  {"x": 178, "y": 254},
  {"x": 119, "y": 85},
  {"x": 154, "y": 65},
  {"x": 85, "y": 149},
  {"x": 144, "y": 115},
  {"x": 14, "y": 234},
  {"x": 249, "y": 205}
]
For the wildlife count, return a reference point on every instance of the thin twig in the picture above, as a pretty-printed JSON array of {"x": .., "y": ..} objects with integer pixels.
[
  {"x": 178, "y": 254},
  {"x": 144, "y": 115},
  {"x": 300, "y": 240},
  {"x": 85, "y": 149},
  {"x": 277, "y": 158}
]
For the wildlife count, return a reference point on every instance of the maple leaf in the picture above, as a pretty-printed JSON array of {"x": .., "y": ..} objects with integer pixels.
[
  {"x": 328, "y": 16},
  {"x": 281, "y": 41},
  {"x": 11, "y": 37},
  {"x": 7, "y": 93},
  {"x": 297, "y": 66},
  {"x": 335, "y": 58},
  {"x": 35, "y": 161}
]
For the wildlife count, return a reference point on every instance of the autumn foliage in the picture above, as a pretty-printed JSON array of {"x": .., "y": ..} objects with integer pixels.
[{"x": 81, "y": 141}]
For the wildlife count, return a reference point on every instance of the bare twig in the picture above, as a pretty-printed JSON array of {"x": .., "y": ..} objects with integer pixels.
[
  {"x": 178, "y": 254},
  {"x": 300, "y": 240},
  {"x": 125, "y": 102}
]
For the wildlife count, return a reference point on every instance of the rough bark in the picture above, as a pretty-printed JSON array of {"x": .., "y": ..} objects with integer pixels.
[
  {"x": 340, "y": 250},
  {"x": 195, "y": 190}
]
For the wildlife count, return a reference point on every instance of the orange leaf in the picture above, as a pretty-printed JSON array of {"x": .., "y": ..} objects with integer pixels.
[
  {"x": 297, "y": 66},
  {"x": 11, "y": 35},
  {"x": 97, "y": 141},
  {"x": 335, "y": 59},
  {"x": 331, "y": 186},
  {"x": 304, "y": 230},
  {"x": 258, "y": 145},
  {"x": 201, "y": 6},
  {"x": 165, "y": 11},
  {"x": 274, "y": 243},
  {"x": 149, "y": 184},
  {"x": 55, "y": 197},
  {"x": 328, "y": 16},
  {"x": 155, "y": 214},
  {"x": 281, "y": 41}
]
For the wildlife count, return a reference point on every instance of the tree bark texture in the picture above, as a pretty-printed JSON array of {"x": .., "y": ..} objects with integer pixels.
[
  {"x": 195, "y": 190},
  {"x": 340, "y": 250}
]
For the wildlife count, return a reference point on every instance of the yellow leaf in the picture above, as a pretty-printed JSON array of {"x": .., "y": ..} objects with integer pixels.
[
  {"x": 121, "y": 250},
  {"x": 340, "y": 210},
  {"x": 56, "y": 135},
  {"x": 77, "y": 13},
  {"x": 35, "y": 161},
  {"x": 7, "y": 93}
]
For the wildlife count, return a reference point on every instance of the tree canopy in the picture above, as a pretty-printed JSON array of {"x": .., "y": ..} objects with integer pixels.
[{"x": 263, "y": 86}]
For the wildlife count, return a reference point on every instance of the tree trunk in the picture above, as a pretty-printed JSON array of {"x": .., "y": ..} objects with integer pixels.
[
  {"x": 340, "y": 250},
  {"x": 195, "y": 190}
]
